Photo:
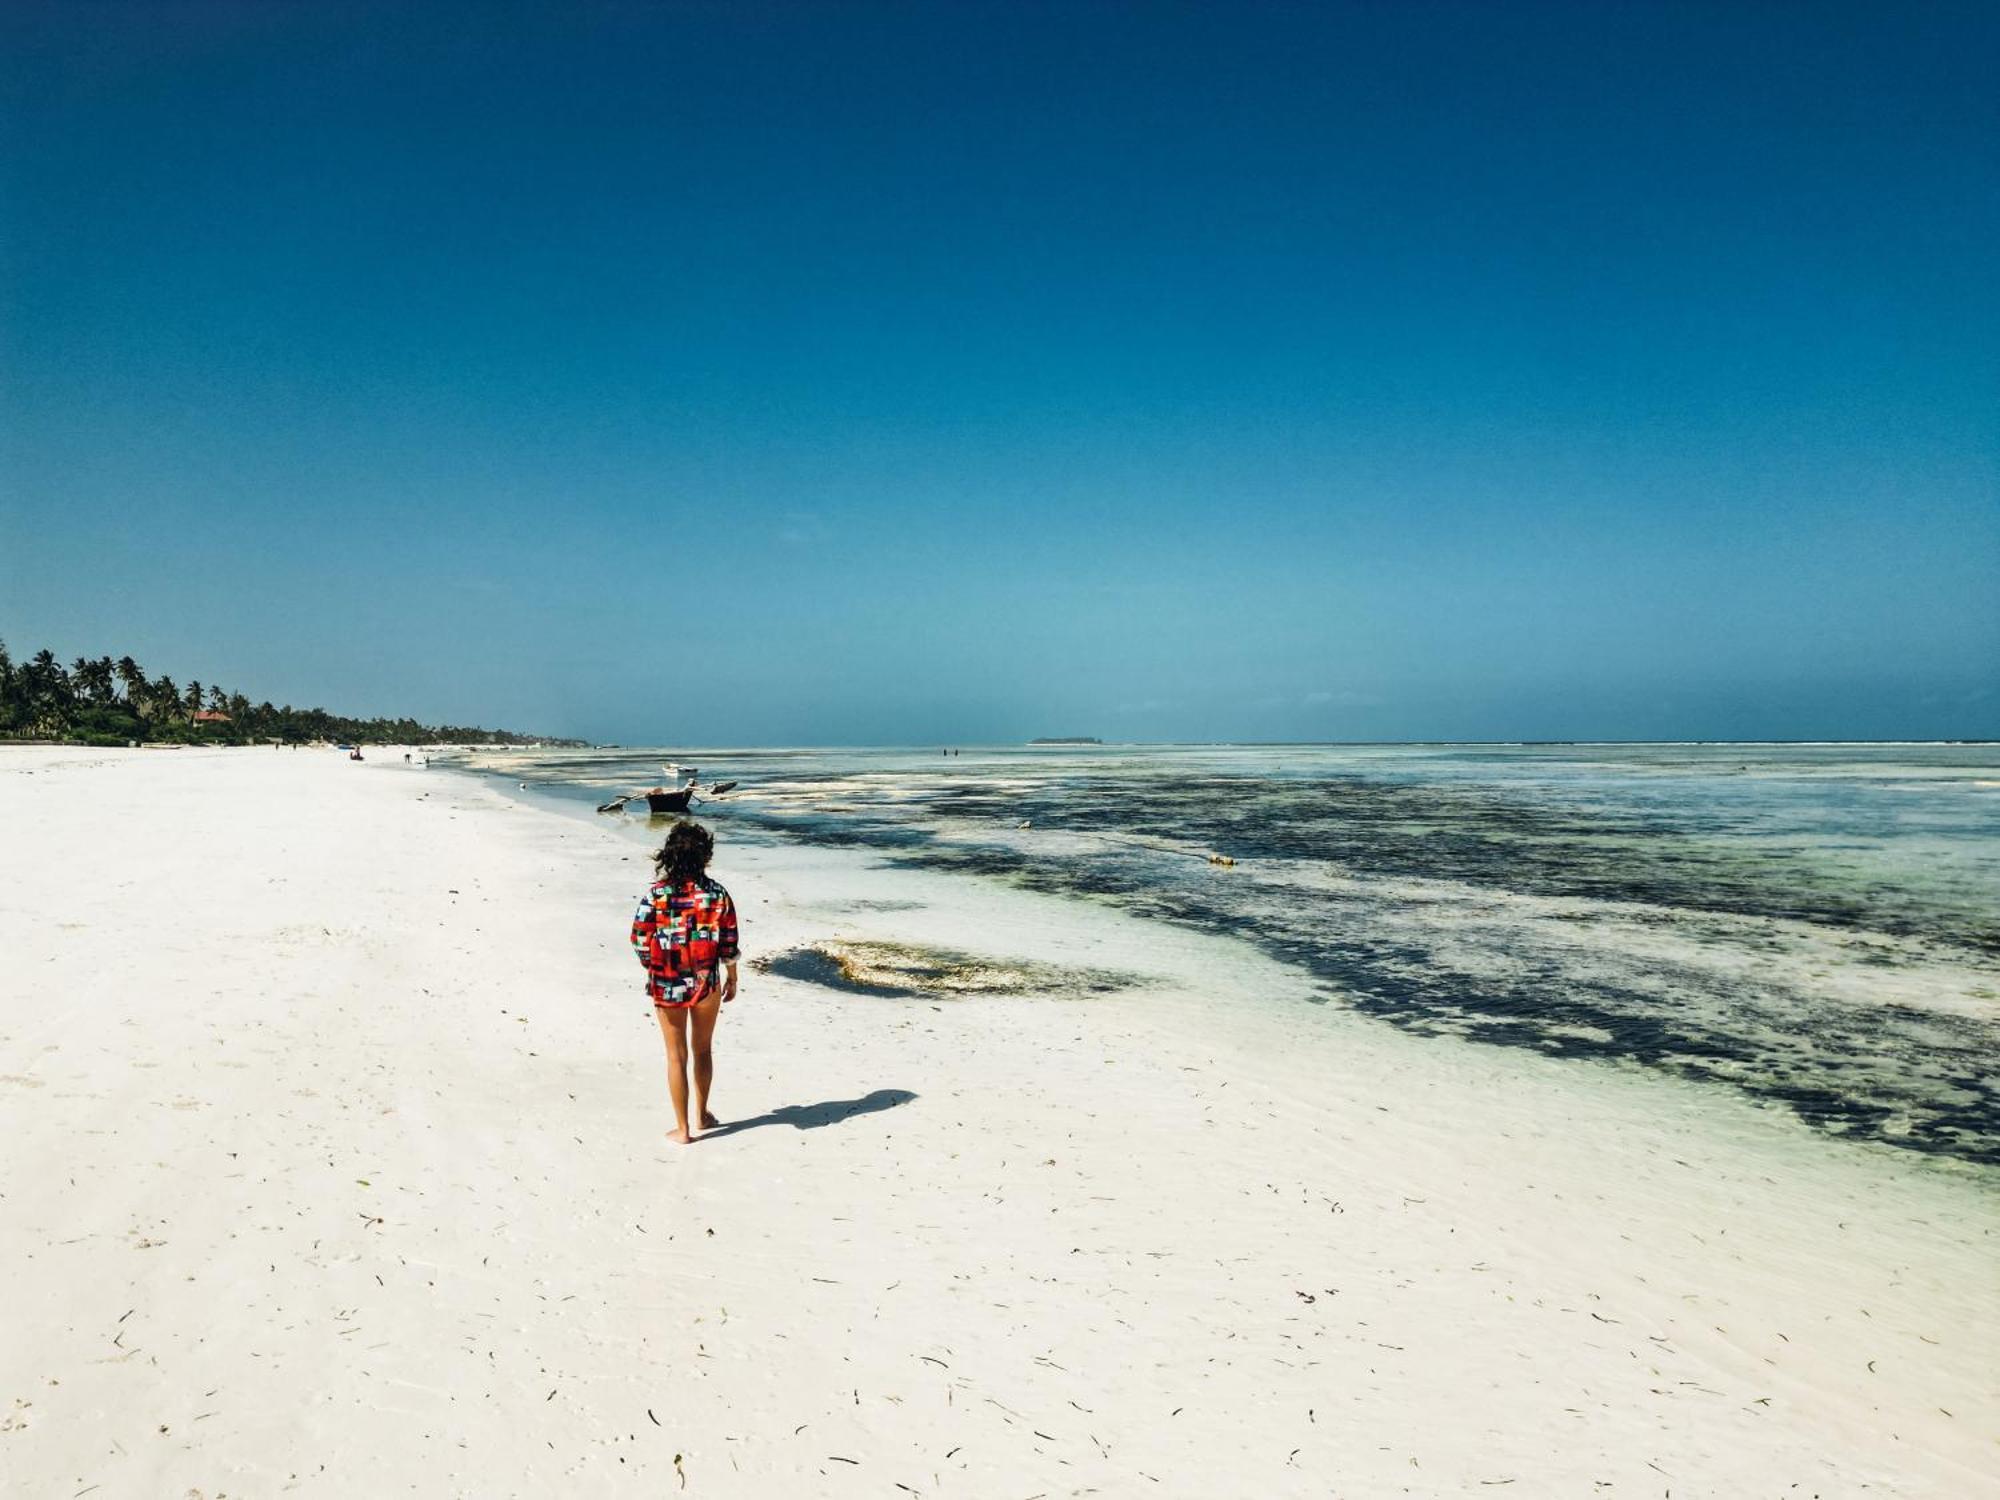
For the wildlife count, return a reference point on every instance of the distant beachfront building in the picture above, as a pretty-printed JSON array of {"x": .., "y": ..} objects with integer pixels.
[{"x": 210, "y": 716}]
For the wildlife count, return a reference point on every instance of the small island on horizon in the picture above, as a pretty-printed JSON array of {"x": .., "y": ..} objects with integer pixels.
[{"x": 1067, "y": 739}]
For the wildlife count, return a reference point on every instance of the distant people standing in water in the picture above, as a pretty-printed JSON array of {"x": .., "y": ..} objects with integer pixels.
[{"x": 685, "y": 935}]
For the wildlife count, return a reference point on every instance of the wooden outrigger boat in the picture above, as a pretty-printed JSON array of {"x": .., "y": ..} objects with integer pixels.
[{"x": 665, "y": 801}]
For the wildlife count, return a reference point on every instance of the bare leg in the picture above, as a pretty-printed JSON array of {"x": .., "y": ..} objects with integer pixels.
[
  {"x": 702, "y": 1028},
  {"x": 673, "y": 1026}
]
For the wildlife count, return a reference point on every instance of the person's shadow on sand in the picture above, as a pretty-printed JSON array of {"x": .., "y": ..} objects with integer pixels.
[{"x": 813, "y": 1116}]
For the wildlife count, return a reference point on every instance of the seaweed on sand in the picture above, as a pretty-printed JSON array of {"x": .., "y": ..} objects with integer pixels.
[{"x": 908, "y": 970}]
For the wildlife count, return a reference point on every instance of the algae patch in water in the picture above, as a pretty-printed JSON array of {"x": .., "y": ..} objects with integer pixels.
[{"x": 905, "y": 970}]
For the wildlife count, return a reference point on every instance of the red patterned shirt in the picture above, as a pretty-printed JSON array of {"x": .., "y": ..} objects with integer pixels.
[{"x": 682, "y": 934}]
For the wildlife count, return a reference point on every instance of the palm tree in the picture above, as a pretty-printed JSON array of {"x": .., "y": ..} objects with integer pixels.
[
  {"x": 192, "y": 697},
  {"x": 166, "y": 700},
  {"x": 12, "y": 708},
  {"x": 134, "y": 680},
  {"x": 51, "y": 697},
  {"x": 93, "y": 680}
]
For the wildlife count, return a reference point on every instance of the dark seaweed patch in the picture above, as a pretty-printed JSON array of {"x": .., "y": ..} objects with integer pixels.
[
  {"x": 905, "y": 970},
  {"x": 815, "y": 966}
]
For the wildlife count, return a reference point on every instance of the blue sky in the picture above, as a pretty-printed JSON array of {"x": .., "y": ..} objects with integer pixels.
[{"x": 899, "y": 373}]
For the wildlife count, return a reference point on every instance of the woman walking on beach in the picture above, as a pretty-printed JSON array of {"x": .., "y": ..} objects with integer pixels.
[{"x": 685, "y": 935}]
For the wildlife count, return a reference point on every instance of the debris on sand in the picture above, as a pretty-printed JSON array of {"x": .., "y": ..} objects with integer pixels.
[{"x": 907, "y": 970}]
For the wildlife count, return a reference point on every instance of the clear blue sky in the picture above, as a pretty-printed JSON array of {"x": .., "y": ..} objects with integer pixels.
[{"x": 899, "y": 373}]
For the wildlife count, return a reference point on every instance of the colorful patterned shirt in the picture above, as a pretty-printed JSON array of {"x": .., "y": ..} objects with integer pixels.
[{"x": 681, "y": 935}]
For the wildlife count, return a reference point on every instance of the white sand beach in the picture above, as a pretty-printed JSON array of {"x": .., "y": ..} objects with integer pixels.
[{"x": 335, "y": 1164}]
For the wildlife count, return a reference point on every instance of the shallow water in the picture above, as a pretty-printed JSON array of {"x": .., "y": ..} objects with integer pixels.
[{"x": 1815, "y": 925}]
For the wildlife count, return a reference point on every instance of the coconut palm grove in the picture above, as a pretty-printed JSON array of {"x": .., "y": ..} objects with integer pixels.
[{"x": 102, "y": 701}]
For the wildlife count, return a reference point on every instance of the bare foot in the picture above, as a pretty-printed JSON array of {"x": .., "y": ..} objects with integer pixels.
[
  {"x": 680, "y": 1133},
  {"x": 708, "y": 1121}
]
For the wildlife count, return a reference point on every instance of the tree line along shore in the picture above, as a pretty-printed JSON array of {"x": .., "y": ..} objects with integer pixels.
[{"x": 102, "y": 701}]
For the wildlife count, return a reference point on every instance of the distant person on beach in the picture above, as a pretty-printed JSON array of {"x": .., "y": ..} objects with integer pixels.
[{"x": 685, "y": 935}]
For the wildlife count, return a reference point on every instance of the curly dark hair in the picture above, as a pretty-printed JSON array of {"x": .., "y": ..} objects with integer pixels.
[{"x": 685, "y": 854}]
